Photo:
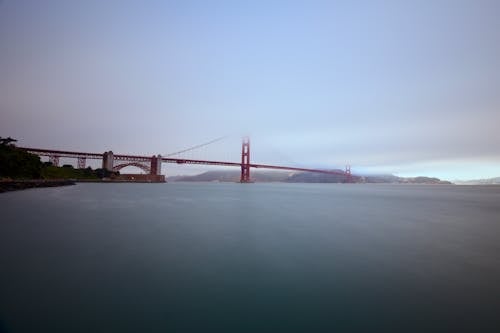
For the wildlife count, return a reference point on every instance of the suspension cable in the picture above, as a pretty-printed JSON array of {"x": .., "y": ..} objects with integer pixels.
[{"x": 196, "y": 147}]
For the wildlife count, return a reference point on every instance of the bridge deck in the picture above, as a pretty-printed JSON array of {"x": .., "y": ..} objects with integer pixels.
[{"x": 138, "y": 158}]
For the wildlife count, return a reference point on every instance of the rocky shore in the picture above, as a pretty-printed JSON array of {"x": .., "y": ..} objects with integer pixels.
[{"x": 15, "y": 185}]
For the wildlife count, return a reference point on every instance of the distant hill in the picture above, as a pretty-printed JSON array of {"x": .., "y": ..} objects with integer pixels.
[
  {"x": 313, "y": 177},
  {"x": 403, "y": 180},
  {"x": 231, "y": 176},
  {"x": 422, "y": 180},
  {"x": 301, "y": 177},
  {"x": 488, "y": 181}
]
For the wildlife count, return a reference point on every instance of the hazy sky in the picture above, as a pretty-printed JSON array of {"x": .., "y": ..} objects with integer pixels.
[{"x": 409, "y": 87}]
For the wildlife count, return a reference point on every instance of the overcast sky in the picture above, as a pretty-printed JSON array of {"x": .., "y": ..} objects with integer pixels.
[{"x": 408, "y": 87}]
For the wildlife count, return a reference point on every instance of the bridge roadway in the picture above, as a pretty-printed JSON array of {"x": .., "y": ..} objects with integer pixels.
[{"x": 138, "y": 158}]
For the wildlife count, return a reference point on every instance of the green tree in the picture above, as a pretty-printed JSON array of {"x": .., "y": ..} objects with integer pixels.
[{"x": 17, "y": 163}]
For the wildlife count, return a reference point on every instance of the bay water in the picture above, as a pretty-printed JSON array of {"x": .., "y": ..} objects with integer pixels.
[{"x": 223, "y": 257}]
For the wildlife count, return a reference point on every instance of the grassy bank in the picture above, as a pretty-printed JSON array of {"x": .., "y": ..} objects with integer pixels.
[{"x": 67, "y": 172}]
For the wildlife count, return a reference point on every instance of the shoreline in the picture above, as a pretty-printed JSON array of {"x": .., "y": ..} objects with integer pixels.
[
  {"x": 109, "y": 181},
  {"x": 17, "y": 185},
  {"x": 24, "y": 184}
]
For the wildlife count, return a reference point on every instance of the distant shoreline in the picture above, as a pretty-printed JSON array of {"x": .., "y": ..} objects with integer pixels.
[{"x": 17, "y": 185}]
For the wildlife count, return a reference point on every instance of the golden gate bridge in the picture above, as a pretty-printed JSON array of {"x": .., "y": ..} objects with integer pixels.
[{"x": 152, "y": 164}]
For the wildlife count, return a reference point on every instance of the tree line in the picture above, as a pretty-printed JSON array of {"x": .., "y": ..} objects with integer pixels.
[{"x": 16, "y": 163}]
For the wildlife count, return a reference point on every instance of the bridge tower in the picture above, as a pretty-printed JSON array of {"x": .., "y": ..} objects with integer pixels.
[
  {"x": 245, "y": 161},
  {"x": 348, "y": 175},
  {"x": 108, "y": 160},
  {"x": 156, "y": 165}
]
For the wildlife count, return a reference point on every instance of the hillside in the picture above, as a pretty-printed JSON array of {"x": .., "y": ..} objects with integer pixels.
[
  {"x": 231, "y": 176},
  {"x": 487, "y": 181},
  {"x": 301, "y": 177}
]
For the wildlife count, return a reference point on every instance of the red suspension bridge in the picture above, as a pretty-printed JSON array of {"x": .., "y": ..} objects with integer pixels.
[{"x": 152, "y": 164}]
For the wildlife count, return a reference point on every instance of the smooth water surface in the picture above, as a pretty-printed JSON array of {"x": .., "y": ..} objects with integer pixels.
[{"x": 185, "y": 257}]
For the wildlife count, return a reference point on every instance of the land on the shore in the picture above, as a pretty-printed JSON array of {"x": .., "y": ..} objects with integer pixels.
[
  {"x": 304, "y": 177},
  {"x": 14, "y": 185},
  {"x": 486, "y": 181},
  {"x": 21, "y": 170}
]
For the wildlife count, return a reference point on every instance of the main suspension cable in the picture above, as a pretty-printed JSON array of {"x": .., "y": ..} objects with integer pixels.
[{"x": 196, "y": 147}]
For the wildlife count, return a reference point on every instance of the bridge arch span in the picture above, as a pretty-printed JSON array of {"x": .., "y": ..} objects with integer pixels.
[{"x": 141, "y": 166}]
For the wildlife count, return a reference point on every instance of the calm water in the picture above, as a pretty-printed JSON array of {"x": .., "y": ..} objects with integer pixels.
[{"x": 250, "y": 258}]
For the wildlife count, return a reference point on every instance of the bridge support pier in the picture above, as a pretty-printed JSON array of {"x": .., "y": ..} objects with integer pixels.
[
  {"x": 81, "y": 162},
  {"x": 156, "y": 165},
  {"x": 54, "y": 159},
  {"x": 245, "y": 161},
  {"x": 108, "y": 160}
]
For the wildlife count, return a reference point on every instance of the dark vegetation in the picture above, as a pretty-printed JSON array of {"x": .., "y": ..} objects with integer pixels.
[
  {"x": 17, "y": 164},
  {"x": 67, "y": 172}
]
